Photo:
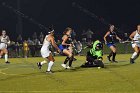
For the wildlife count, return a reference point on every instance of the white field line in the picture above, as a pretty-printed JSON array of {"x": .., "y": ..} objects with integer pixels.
[{"x": 43, "y": 91}]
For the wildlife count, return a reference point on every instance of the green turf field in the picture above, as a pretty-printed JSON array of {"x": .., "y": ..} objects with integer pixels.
[{"x": 23, "y": 76}]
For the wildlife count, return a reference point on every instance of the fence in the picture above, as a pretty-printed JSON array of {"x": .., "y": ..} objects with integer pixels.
[{"x": 35, "y": 50}]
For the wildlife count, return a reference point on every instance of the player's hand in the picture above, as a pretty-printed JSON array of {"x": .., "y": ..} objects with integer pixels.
[
  {"x": 120, "y": 40},
  {"x": 70, "y": 45},
  {"x": 105, "y": 42},
  {"x": 58, "y": 50},
  {"x": 133, "y": 41}
]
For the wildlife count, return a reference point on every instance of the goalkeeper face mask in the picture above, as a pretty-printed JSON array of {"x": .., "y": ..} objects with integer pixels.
[{"x": 99, "y": 46}]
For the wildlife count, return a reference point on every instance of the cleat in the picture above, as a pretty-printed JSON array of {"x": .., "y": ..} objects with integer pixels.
[
  {"x": 7, "y": 62},
  {"x": 68, "y": 67},
  {"x": 64, "y": 65},
  {"x": 114, "y": 61},
  {"x": 132, "y": 61},
  {"x": 49, "y": 72},
  {"x": 108, "y": 58},
  {"x": 39, "y": 65}
]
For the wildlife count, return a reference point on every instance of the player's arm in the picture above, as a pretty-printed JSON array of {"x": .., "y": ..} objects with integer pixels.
[
  {"x": 132, "y": 35},
  {"x": 64, "y": 41},
  {"x": 54, "y": 44},
  {"x": 118, "y": 38},
  {"x": 8, "y": 40},
  {"x": 0, "y": 39},
  {"x": 100, "y": 55},
  {"x": 106, "y": 36}
]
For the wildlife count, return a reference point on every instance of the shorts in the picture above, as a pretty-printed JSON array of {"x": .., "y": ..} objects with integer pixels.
[
  {"x": 61, "y": 47},
  {"x": 135, "y": 44},
  {"x": 3, "y": 46},
  {"x": 45, "y": 53},
  {"x": 110, "y": 44}
]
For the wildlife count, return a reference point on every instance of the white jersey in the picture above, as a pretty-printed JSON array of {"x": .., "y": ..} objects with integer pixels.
[
  {"x": 136, "y": 40},
  {"x": 45, "y": 52},
  {"x": 137, "y": 37},
  {"x": 4, "y": 39},
  {"x": 46, "y": 43}
]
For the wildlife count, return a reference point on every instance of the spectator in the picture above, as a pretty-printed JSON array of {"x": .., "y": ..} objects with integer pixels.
[
  {"x": 18, "y": 45},
  {"x": 34, "y": 36},
  {"x": 19, "y": 39},
  {"x": 41, "y": 37},
  {"x": 88, "y": 34},
  {"x": 73, "y": 35},
  {"x": 31, "y": 46},
  {"x": 37, "y": 47},
  {"x": 25, "y": 48}
]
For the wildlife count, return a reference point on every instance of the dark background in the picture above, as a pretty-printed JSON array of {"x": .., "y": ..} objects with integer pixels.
[{"x": 123, "y": 14}]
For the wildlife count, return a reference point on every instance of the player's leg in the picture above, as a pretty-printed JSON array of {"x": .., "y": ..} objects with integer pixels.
[
  {"x": 44, "y": 54},
  {"x": 89, "y": 59},
  {"x": 71, "y": 51},
  {"x": 66, "y": 60},
  {"x": 69, "y": 58},
  {"x": 113, "y": 49},
  {"x": 1, "y": 53},
  {"x": 5, "y": 51},
  {"x": 1, "y": 50},
  {"x": 70, "y": 62},
  {"x": 109, "y": 56},
  {"x": 135, "y": 54},
  {"x": 138, "y": 52},
  {"x": 39, "y": 64},
  {"x": 111, "y": 53},
  {"x": 50, "y": 63}
]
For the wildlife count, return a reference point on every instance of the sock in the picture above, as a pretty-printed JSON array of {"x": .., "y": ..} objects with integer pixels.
[
  {"x": 134, "y": 55},
  {"x": 66, "y": 60},
  {"x": 110, "y": 54},
  {"x": 43, "y": 62},
  {"x": 114, "y": 55},
  {"x": 6, "y": 57},
  {"x": 50, "y": 64},
  {"x": 70, "y": 61}
]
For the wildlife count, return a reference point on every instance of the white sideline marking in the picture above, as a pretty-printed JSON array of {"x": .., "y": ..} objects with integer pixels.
[
  {"x": 5, "y": 73},
  {"x": 44, "y": 91},
  {"x": 2, "y": 70}
]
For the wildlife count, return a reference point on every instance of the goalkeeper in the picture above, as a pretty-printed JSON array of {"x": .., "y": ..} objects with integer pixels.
[{"x": 94, "y": 56}]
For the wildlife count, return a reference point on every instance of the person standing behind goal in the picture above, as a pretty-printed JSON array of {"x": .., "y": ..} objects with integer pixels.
[
  {"x": 4, "y": 42},
  {"x": 46, "y": 53}
]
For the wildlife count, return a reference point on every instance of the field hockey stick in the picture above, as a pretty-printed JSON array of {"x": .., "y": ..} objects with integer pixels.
[{"x": 133, "y": 41}]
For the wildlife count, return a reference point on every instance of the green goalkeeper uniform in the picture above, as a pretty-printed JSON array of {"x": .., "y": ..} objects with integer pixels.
[
  {"x": 94, "y": 56},
  {"x": 96, "y": 52}
]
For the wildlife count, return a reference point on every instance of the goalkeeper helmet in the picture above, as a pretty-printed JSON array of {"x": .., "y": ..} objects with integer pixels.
[{"x": 99, "y": 46}]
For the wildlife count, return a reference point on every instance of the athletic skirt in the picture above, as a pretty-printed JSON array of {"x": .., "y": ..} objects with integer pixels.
[{"x": 110, "y": 44}]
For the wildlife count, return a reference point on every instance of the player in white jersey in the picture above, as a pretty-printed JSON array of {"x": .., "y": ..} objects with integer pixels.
[
  {"x": 4, "y": 42},
  {"x": 46, "y": 53},
  {"x": 135, "y": 37}
]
